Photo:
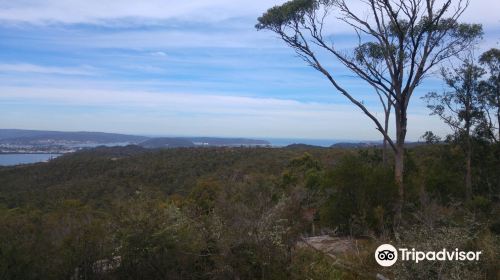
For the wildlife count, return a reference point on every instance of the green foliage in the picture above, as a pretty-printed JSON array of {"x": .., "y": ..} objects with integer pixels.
[
  {"x": 492, "y": 59},
  {"x": 287, "y": 13},
  {"x": 371, "y": 53},
  {"x": 223, "y": 213},
  {"x": 304, "y": 169},
  {"x": 490, "y": 94},
  {"x": 308, "y": 264},
  {"x": 360, "y": 196},
  {"x": 204, "y": 195},
  {"x": 35, "y": 245},
  {"x": 467, "y": 31},
  {"x": 156, "y": 240},
  {"x": 480, "y": 204},
  {"x": 461, "y": 106},
  {"x": 439, "y": 168},
  {"x": 430, "y": 138},
  {"x": 468, "y": 236}
]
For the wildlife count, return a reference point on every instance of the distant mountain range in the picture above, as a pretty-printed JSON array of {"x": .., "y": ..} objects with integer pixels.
[
  {"x": 303, "y": 146},
  {"x": 175, "y": 142},
  {"x": 39, "y": 138},
  {"x": 378, "y": 144},
  {"x": 26, "y": 137},
  {"x": 349, "y": 145}
]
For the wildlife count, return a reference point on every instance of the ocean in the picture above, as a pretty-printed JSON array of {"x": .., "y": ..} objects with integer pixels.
[{"x": 15, "y": 159}]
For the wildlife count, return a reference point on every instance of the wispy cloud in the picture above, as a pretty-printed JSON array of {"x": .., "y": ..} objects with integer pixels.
[
  {"x": 39, "y": 69},
  {"x": 158, "y": 53},
  {"x": 179, "y": 67},
  {"x": 112, "y": 11},
  {"x": 102, "y": 12},
  {"x": 202, "y": 114},
  {"x": 167, "y": 101}
]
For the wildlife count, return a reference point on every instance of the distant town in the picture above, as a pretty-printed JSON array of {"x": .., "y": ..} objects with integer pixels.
[
  {"x": 14, "y": 141},
  {"x": 36, "y": 149}
]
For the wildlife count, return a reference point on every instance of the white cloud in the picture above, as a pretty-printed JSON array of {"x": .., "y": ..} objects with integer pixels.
[
  {"x": 159, "y": 53},
  {"x": 218, "y": 23},
  {"x": 97, "y": 11},
  {"x": 32, "y": 68},
  {"x": 102, "y": 12},
  {"x": 194, "y": 114},
  {"x": 169, "y": 38},
  {"x": 171, "y": 101}
]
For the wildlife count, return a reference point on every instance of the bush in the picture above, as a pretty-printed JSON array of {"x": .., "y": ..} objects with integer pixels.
[
  {"x": 469, "y": 235},
  {"x": 360, "y": 196},
  {"x": 308, "y": 264}
]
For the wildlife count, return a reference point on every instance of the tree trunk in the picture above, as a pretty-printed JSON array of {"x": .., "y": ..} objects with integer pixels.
[
  {"x": 386, "y": 129},
  {"x": 387, "y": 115},
  {"x": 398, "y": 179},
  {"x": 497, "y": 99},
  {"x": 399, "y": 162},
  {"x": 468, "y": 147},
  {"x": 498, "y": 118},
  {"x": 384, "y": 152},
  {"x": 468, "y": 171}
]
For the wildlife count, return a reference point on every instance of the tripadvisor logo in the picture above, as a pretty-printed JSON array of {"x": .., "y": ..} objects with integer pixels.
[{"x": 387, "y": 255}]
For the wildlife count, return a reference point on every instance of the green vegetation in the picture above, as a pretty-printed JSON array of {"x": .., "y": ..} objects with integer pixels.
[
  {"x": 399, "y": 43},
  {"x": 238, "y": 213}
]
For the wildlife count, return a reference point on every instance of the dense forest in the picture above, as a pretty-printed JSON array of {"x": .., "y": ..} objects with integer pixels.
[{"x": 241, "y": 213}]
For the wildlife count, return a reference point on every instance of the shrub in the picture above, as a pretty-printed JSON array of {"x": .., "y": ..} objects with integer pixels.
[{"x": 360, "y": 196}]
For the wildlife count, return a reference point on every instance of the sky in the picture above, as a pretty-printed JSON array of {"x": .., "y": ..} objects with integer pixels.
[{"x": 183, "y": 68}]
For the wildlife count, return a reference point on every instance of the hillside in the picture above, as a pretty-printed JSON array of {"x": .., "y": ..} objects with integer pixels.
[
  {"x": 166, "y": 142},
  {"x": 371, "y": 144},
  {"x": 176, "y": 142},
  {"x": 239, "y": 213},
  {"x": 166, "y": 170},
  {"x": 30, "y": 137}
]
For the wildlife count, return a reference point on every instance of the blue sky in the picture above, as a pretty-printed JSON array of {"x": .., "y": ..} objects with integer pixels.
[{"x": 197, "y": 67}]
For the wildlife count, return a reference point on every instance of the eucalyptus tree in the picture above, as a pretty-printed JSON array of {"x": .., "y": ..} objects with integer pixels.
[
  {"x": 490, "y": 89},
  {"x": 407, "y": 39},
  {"x": 461, "y": 108}
]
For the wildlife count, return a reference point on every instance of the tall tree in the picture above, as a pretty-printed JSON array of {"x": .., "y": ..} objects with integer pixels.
[
  {"x": 461, "y": 108},
  {"x": 413, "y": 36},
  {"x": 490, "y": 89}
]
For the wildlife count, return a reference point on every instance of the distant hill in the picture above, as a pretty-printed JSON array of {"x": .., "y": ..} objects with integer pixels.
[
  {"x": 346, "y": 145},
  {"x": 26, "y": 137},
  {"x": 167, "y": 142},
  {"x": 112, "y": 152},
  {"x": 302, "y": 146},
  {"x": 349, "y": 145},
  {"x": 175, "y": 142},
  {"x": 213, "y": 141},
  {"x": 47, "y": 139}
]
